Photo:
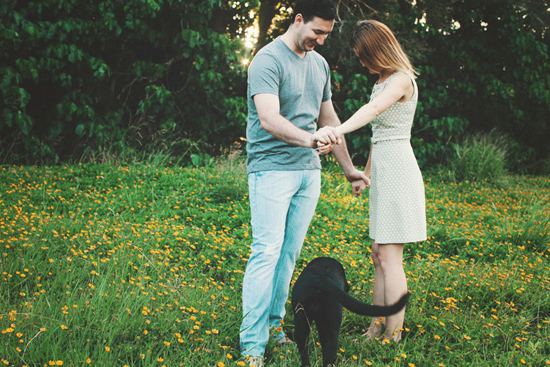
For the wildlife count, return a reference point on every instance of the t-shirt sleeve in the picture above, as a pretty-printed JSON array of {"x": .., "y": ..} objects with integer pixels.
[{"x": 263, "y": 75}]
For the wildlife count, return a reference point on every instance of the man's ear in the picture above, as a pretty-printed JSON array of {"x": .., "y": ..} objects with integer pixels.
[{"x": 299, "y": 19}]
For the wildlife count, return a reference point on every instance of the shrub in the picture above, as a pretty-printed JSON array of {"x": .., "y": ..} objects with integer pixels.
[{"x": 480, "y": 157}]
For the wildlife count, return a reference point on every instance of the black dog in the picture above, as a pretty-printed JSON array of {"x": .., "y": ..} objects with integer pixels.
[{"x": 319, "y": 295}]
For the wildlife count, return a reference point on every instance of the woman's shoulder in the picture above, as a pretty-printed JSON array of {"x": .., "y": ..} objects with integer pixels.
[
  {"x": 401, "y": 79},
  {"x": 401, "y": 76}
]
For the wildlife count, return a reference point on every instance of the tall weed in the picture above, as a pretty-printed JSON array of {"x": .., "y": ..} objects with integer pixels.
[{"x": 480, "y": 157}]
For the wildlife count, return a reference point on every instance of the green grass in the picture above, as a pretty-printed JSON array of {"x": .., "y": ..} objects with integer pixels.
[{"x": 142, "y": 265}]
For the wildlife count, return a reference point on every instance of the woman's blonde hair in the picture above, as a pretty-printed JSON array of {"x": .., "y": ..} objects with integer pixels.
[{"x": 378, "y": 48}]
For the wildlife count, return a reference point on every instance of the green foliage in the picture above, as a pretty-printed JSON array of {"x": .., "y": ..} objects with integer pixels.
[
  {"x": 479, "y": 157},
  {"x": 105, "y": 79},
  {"x": 489, "y": 66},
  {"x": 482, "y": 65},
  {"x": 89, "y": 77}
]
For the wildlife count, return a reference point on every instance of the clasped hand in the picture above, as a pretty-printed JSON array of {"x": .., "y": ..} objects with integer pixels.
[{"x": 324, "y": 138}]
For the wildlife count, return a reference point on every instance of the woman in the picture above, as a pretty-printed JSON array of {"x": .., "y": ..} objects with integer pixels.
[{"x": 396, "y": 201}]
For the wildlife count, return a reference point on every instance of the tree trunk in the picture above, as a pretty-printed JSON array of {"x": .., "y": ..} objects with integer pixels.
[{"x": 268, "y": 10}]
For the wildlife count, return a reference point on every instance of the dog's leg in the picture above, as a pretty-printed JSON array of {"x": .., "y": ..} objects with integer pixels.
[
  {"x": 329, "y": 331},
  {"x": 301, "y": 334}
]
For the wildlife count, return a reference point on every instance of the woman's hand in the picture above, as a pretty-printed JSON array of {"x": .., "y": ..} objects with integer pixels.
[
  {"x": 358, "y": 186},
  {"x": 326, "y": 135},
  {"x": 323, "y": 148}
]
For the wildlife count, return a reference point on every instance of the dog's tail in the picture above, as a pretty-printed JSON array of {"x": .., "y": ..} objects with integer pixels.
[{"x": 357, "y": 306}]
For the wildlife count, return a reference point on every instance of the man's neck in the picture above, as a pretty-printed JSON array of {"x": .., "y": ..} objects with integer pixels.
[{"x": 289, "y": 39}]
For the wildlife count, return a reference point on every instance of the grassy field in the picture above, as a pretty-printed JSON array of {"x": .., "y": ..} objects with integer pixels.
[{"x": 107, "y": 265}]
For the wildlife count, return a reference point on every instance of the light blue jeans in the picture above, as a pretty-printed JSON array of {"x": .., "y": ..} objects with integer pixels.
[{"x": 282, "y": 204}]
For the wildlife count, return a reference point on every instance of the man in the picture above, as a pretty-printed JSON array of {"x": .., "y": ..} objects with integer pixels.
[{"x": 288, "y": 98}]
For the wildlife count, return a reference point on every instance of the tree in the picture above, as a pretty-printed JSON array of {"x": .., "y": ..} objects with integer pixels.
[
  {"x": 96, "y": 75},
  {"x": 492, "y": 69},
  {"x": 482, "y": 65}
]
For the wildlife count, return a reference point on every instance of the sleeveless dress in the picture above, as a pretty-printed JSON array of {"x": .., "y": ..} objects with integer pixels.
[{"x": 397, "y": 206}]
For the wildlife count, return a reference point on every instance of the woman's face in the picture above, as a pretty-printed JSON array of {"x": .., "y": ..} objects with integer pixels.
[{"x": 372, "y": 70}]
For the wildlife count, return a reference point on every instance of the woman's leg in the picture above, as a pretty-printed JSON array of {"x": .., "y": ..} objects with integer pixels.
[
  {"x": 377, "y": 323},
  {"x": 390, "y": 257}
]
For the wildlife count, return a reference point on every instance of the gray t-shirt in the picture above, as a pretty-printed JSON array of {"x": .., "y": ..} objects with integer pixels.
[{"x": 301, "y": 85}]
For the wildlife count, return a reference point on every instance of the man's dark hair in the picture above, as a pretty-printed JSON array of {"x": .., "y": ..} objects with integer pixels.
[{"x": 309, "y": 9}]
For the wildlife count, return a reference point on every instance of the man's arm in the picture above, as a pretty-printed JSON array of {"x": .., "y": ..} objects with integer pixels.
[
  {"x": 328, "y": 117},
  {"x": 271, "y": 120}
]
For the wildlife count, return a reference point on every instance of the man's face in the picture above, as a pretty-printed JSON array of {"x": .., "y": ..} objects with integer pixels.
[{"x": 313, "y": 33}]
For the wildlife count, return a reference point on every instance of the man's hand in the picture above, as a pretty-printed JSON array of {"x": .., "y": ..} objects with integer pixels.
[{"x": 355, "y": 175}]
